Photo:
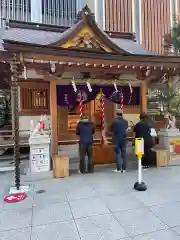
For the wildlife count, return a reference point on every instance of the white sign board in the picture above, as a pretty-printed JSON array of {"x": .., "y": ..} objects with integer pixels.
[
  {"x": 39, "y": 153},
  {"x": 40, "y": 159}
]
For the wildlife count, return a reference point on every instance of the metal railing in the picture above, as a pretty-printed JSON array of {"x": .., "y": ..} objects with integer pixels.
[
  {"x": 61, "y": 12},
  {"x": 15, "y": 10},
  {"x": 6, "y": 139}
]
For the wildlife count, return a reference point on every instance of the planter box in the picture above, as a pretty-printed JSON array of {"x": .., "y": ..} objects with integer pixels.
[
  {"x": 60, "y": 166},
  {"x": 162, "y": 157}
]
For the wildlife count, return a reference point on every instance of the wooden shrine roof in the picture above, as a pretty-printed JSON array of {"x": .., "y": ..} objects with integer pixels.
[
  {"x": 84, "y": 47},
  {"x": 84, "y": 32}
]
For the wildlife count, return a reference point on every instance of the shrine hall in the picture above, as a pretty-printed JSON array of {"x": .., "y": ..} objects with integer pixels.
[{"x": 67, "y": 72}]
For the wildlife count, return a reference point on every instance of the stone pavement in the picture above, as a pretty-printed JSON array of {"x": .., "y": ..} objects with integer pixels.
[{"x": 99, "y": 206}]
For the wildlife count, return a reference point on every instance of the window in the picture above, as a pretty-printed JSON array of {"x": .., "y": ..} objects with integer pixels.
[
  {"x": 18, "y": 5},
  {"x": 39, "y": 99},
  {"x": 62, "y": 9},
  {"x": 34, "y": 97}
]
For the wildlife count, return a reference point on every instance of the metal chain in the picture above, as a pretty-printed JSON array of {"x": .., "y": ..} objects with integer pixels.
[{"x": 15, "y": 118}]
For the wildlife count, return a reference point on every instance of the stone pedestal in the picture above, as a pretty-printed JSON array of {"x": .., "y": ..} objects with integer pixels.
[
  {"x": 169, "y": 139},
  {"x": 166, "y": 136}
]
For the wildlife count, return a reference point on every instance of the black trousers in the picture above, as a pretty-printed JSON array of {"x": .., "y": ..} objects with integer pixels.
[
  {"x": 149, "y": 158},
  {"x": 85, "y": 149},
  {"x": 146, "y": 159}
]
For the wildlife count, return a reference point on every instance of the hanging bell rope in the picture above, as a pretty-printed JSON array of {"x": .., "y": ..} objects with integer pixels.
[
  {"x": 81, "y": 107},
  {"x": 121, "y": 100},
  {"x": 102, "y": 118},
  {"x": 80, "y": 100}
]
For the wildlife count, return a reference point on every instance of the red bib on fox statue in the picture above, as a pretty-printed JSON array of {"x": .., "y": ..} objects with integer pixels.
[{"x": 42, "y": 125}]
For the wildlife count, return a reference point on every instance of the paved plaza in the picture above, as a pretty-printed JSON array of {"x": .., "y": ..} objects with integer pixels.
[{"x": 99, "y": 206}]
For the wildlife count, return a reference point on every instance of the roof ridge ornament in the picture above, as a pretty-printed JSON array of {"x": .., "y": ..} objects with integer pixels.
[{"x": 86, "y": 11}]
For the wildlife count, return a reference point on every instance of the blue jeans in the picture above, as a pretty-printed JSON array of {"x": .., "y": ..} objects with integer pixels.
[{"x": 120, "y": 150}]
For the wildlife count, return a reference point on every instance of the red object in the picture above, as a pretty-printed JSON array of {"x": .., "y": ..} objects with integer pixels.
[
  {"x": 121, "y": 101},
  {"x": 102, "y": 140},
  {"x": 81, "y": 108},
  {"x": 42, "y": 125},
  {"x": 102, "y": 118},
  {"x": 16, "y": 197},
  {"x": 177, "y": 148}
]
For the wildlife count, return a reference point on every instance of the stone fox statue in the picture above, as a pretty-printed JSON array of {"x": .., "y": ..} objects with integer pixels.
[{"x": 171, "y": 122}]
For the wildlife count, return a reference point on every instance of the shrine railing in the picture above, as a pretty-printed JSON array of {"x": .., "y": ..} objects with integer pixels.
[{"x": 6, "y": 138}]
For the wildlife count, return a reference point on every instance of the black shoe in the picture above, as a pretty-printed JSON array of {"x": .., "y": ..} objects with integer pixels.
[
  {"x": 145, "y": 167},
  {"x": 82, "y": 171},
  {"x": 90, "y": 169}
]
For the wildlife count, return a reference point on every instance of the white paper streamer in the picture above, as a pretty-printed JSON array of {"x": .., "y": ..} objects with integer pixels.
[
  {"x": 115, "y": 87},
  {"x": 25, "y": 73},
  {"x": 130, "y": 87},
  {"x": 53, "y": 67},
  {"x": 89, "y": 86},
  {"x": 74, "y": 86}
]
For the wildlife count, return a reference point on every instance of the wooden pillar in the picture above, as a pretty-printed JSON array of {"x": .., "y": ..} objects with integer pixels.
[
  {"x": 144, "y": 96},
  {"x": 53, "y": 112},
  {"x": 62, "y": 124}
]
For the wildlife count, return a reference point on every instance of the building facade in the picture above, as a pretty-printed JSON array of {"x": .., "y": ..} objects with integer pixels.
[
  {"x": 61, "y": 12},
  {"x": 151, "y": 20}
]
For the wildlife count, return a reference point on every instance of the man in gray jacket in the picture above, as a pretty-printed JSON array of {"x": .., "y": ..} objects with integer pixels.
[{"x": 118, "y": 129}]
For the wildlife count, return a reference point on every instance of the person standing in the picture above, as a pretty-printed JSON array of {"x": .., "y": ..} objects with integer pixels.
[
  {"x": 143, "y": 130},
  {"x": 85, "y": 131},
  {"x": 118, "y": 129}
]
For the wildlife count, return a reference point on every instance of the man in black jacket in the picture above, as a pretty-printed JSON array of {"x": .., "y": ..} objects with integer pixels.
[
  {"x": 142, "y": 130},
  {"x": 85, "y": 131}
]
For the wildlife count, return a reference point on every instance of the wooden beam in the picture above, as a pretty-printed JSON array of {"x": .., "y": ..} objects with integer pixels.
[
  {"x": 53, "y": 112},
  {"x": 99, "y": 81},
  {"x": 144, "y": 61},
  {"x": 69, "y": 55},
  {"x": 144, "y": 96}
]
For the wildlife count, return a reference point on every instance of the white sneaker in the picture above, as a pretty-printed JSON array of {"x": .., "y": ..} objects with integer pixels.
[
  {"x": 116, "y": 171},
  {"x": 123, "y": 171}
]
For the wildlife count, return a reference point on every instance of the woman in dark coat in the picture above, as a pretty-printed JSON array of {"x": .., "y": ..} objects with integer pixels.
[{"x": 142, "y": 130}]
